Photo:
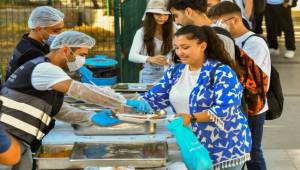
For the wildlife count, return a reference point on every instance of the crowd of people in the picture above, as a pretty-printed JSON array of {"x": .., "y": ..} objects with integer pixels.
[{"x": 204, "y": 35}]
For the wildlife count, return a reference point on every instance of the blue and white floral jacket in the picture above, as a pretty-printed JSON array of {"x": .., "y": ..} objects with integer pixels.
[{"x": 227, "y": 137}]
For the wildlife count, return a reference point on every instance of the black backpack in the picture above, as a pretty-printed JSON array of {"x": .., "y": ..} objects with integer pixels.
[{"x": 275, "y": 94}]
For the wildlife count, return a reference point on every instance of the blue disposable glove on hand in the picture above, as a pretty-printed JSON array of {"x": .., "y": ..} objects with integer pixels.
[
  {"x": 104, "y": 118},
  {"x": 139, "y": 105}
]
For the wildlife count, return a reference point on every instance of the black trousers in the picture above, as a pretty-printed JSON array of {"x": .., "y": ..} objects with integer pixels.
[
  {"x": 279, "y": 17},
  {"x": 257, "y": 23}
]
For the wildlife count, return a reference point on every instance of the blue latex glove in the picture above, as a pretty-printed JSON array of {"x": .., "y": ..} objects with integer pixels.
[
  {"x": 104, "y": 118},
  {"x": 139, "y": 105}
]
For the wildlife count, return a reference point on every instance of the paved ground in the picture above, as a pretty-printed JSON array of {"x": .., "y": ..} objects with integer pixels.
[{"x": 281, "y": 137}]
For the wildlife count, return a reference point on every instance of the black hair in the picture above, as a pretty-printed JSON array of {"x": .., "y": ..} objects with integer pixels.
[
  {"x": 200, "y": 5},
  {"x": 215, "y": 49},
  {"x": 223, "y": 8},
  {"x": 149, "y": 32}
]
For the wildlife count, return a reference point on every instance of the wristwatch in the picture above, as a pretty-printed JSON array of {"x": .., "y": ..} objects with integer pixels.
[{"x": 193, "y": 118}]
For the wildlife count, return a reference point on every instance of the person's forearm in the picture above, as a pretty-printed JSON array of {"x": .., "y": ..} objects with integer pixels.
[
  {"x": 70, "y": 114},
  {"x": 137, "y": 58},
  {"x": 248, "y": 7},
  {"x": 96, "y": 95}
]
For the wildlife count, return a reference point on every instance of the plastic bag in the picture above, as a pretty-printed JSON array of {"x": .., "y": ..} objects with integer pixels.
[{"x": 194, "y": 154}]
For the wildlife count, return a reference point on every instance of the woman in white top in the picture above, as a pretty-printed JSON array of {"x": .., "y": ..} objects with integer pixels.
[{"x": 153, "y": 42}]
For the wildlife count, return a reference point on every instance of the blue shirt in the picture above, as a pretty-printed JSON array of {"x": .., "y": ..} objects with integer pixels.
[
  {"x": 227, "y": 137},
  {"x": 274, "y": 2},
  {"x": 5, "y": 140}
]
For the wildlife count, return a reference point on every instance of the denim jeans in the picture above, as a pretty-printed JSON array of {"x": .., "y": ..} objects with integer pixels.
[
  {"x": 256, "y": 125},
  {"x": 151, "y": 73}
]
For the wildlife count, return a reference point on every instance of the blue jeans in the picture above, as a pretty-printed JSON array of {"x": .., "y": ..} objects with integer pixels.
[
  {"x": 256, "y": 125},
  {"x": 151, "y": 73}
]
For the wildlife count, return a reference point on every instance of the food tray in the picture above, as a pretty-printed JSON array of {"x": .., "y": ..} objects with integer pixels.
[
  {"x": 138, "y": 155},
  {"x": 54, "y": 157},
  {"x": 131, "y": 87}
]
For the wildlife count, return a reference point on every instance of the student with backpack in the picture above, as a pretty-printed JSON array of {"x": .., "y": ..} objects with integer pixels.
[{"x": 257, "y": 49}]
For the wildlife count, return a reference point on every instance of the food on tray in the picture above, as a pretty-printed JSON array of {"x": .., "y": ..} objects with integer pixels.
[
  {"x": 61, "y": 154},
  {"x": 132, "y": 86}
]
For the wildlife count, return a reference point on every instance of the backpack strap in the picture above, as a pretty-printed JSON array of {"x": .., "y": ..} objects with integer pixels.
[{"x": 253, "y": 35}]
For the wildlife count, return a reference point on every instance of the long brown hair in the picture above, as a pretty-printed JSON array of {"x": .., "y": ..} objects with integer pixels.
[
  {"x": 215, "y": 47},
  {"x": 149, "y": 32}
]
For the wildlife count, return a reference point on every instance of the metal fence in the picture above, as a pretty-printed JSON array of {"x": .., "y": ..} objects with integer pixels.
[
  {"x": 132, "y": 12},
  {"x": 94, "y": 17}
]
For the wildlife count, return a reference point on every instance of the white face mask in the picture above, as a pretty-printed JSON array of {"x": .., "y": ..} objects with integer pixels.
[
  {"x": 220, "y": 23},
  {"x": 75, "y": 65}
]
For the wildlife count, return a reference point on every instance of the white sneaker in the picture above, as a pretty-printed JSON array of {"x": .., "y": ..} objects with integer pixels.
[
  {"x": 274, "y": 51},
  {"x": 289, "y": 54}
]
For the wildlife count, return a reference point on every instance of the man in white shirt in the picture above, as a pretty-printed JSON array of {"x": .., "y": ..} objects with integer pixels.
[
  {"x": 33, "y": 95},
  {"x": 257, "y": 49}
]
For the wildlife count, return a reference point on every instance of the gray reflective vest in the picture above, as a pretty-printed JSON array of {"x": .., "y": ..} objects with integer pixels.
[{"x": 28, "y": 113}]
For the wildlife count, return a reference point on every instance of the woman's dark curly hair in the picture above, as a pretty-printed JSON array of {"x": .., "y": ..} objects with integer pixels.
[
  {"x": 149, "y": 32},
  {"x": 215, "y": 48}
]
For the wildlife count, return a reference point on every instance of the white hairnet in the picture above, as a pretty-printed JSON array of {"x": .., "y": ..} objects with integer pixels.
[
  {"x": 44, "y": 16},
  {"x": 72, "y": 39}
]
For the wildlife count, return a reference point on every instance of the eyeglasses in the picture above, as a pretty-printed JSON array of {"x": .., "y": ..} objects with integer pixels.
[{"x": 228, "y": 19}]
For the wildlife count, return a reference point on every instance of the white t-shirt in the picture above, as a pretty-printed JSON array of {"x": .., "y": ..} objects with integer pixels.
[
  {"x": 257, "y": 49},
  {"x": 45, "y": 75},
  {"x": 138, "y": 51},
  {"x": 227, "y": 41},
  {"x": 228, "y": 45},
  {"x": 180, "y": 92}
]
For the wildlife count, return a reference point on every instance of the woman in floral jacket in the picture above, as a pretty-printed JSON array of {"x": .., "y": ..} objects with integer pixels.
[{"x": 210, "y": 103}]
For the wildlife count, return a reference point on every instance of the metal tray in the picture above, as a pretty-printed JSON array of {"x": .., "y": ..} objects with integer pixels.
[
  {"x": 54, "y": 162},
  {"x": 125, "y": 128},
  {"x": 131, "y": 87},
  {"x": 138, "y": 155}
]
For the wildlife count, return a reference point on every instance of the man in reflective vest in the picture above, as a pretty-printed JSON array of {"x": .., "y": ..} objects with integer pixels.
[{"x": 33, "y": 94}]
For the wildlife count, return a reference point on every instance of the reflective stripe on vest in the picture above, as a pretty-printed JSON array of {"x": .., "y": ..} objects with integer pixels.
[
  {"x": 23, "y": 126},
  {"x": 28, "y": 109}
]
